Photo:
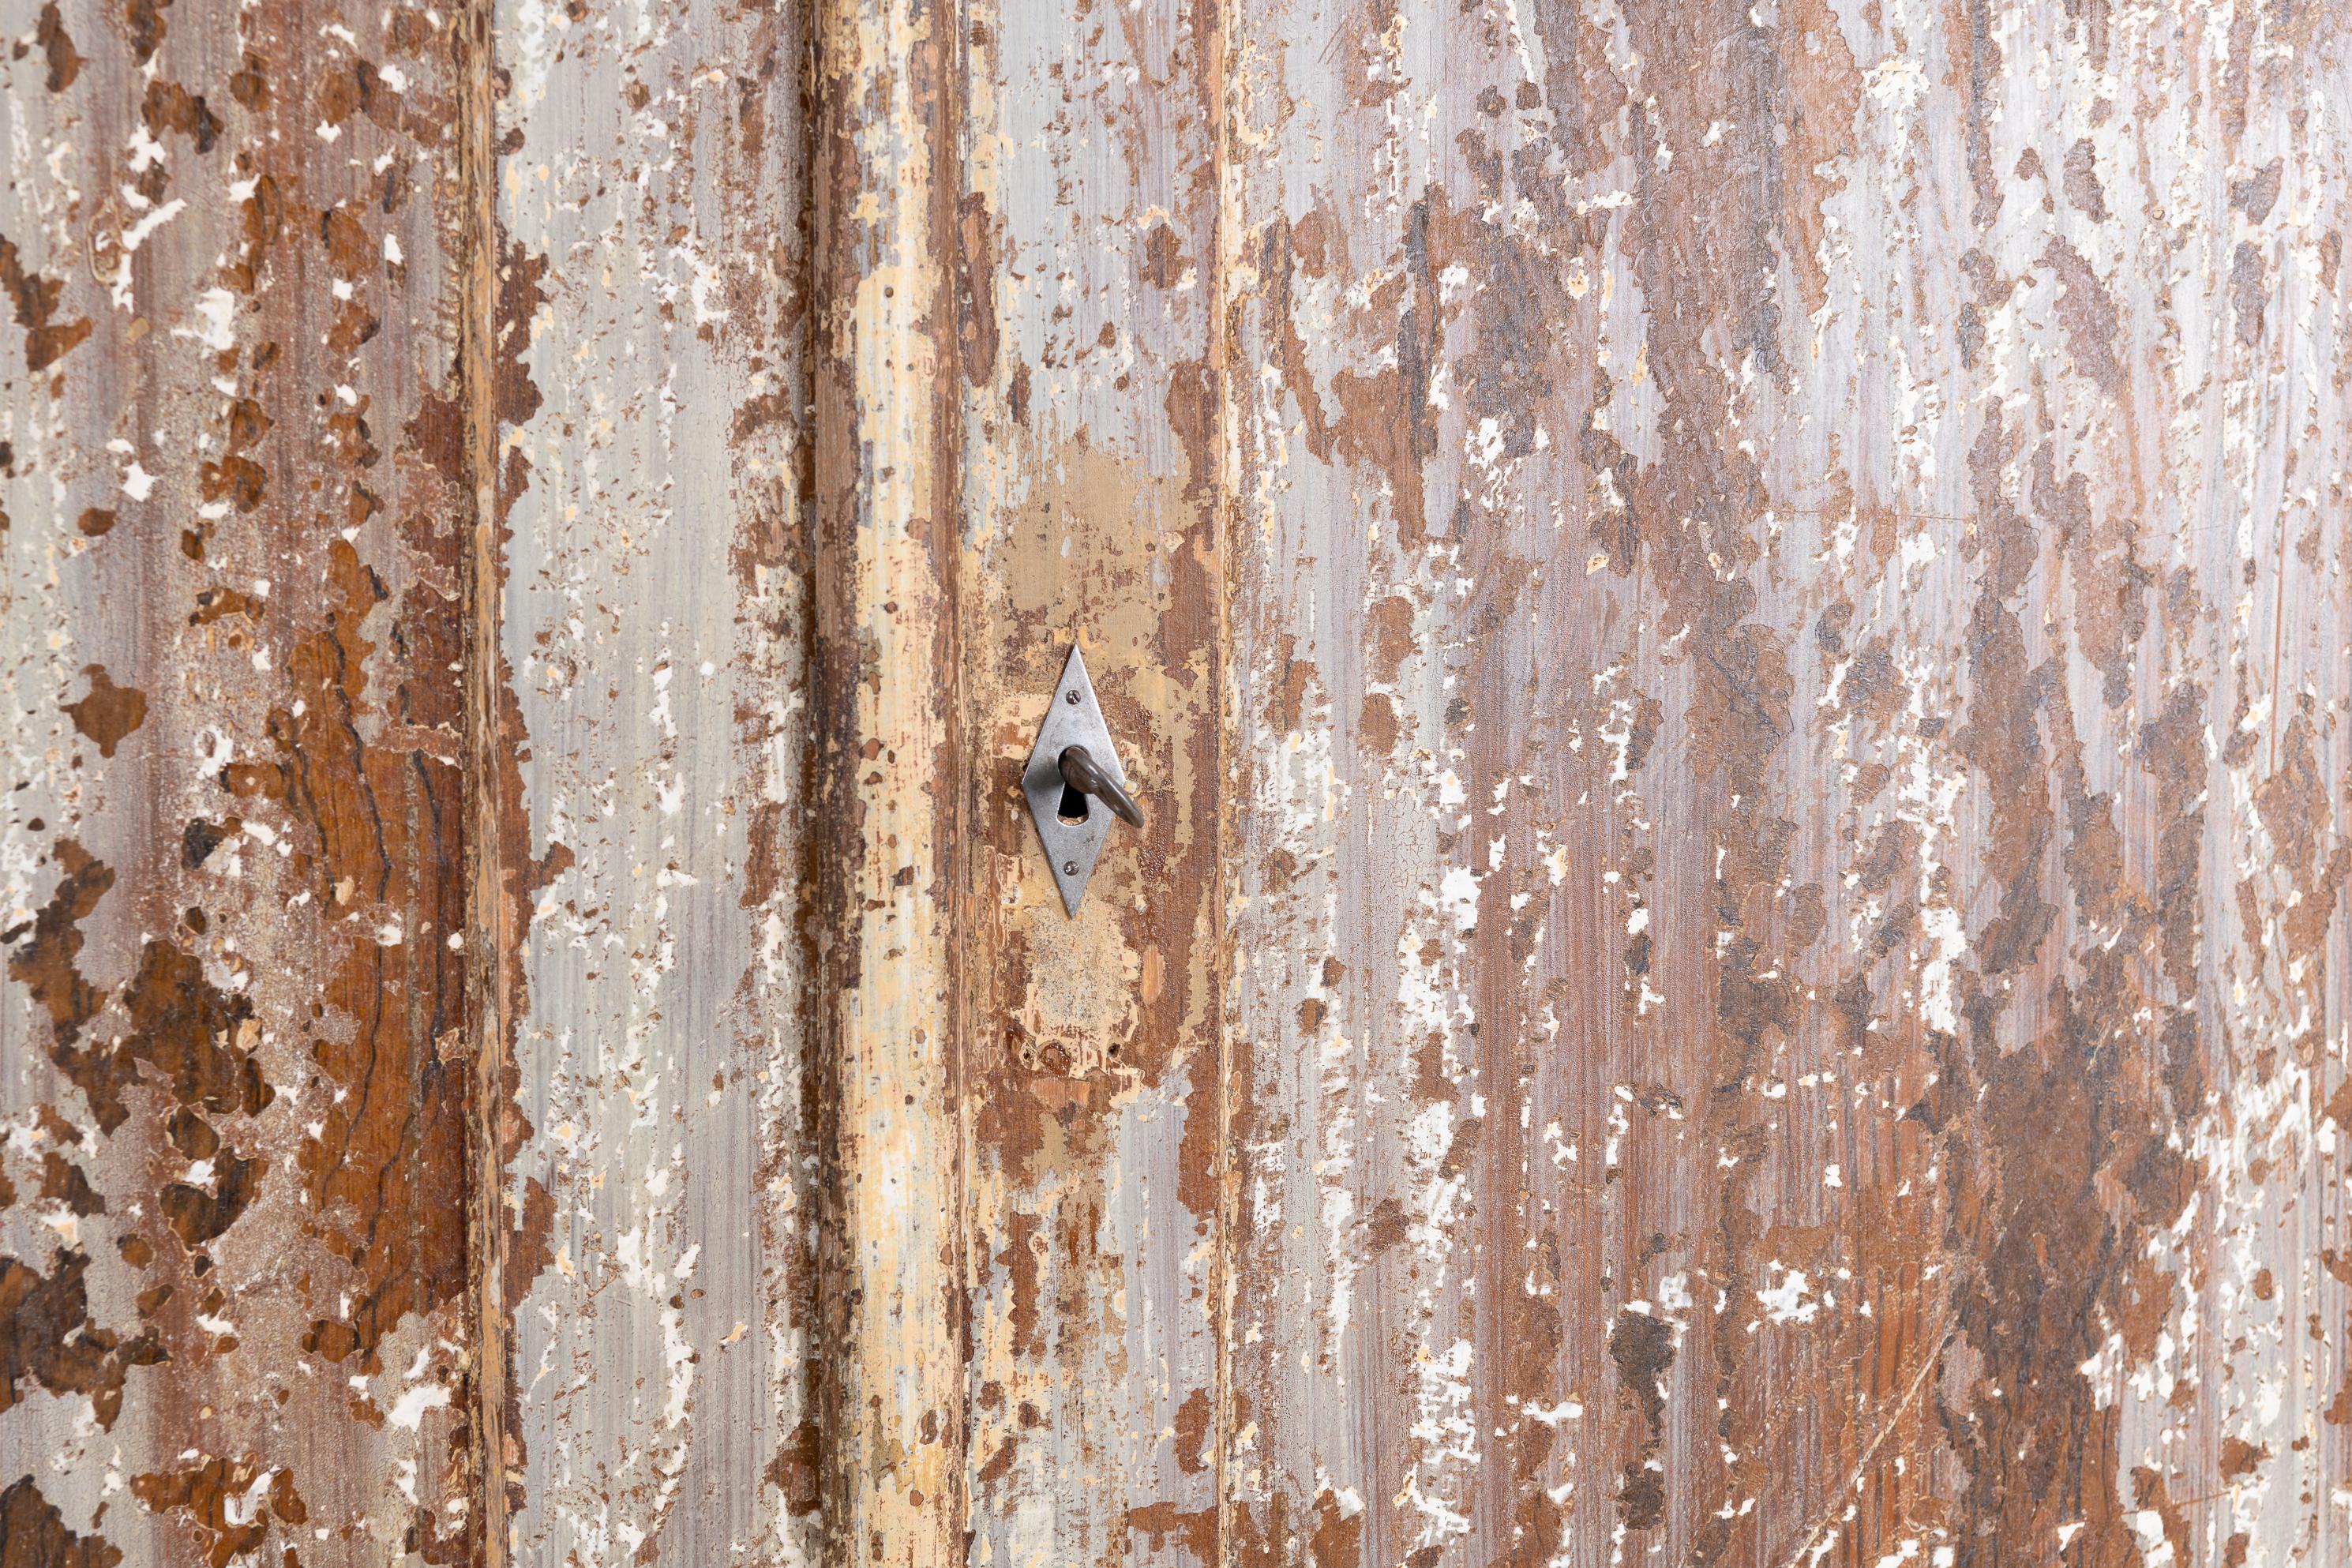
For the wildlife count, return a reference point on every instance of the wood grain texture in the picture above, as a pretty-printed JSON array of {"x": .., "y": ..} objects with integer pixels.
[
  {"x": 653, "y": 453},
  {"x": 1733, "y": 623},
  {"x": 1084, "y": 251},
  {"x": 232, "y": 1043},
  {"x": 1789, "y": 635},
  {"x": 886, "y": 760}
]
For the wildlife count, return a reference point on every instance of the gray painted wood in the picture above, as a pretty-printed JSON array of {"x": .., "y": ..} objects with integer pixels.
[
  {"x": 1732, "y": 621},
  {"x": 655, "y": 613},
  {"x": 233, "y": 1267}
]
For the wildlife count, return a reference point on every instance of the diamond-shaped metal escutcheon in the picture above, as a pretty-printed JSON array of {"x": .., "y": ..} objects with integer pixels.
[{"x": 1071, "y": 824}]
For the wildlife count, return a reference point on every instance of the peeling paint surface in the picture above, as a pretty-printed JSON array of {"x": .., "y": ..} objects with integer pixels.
[
  {"x": 653, "y": 462},
  {"x": 1083, "y": 241},
  {"x": 1784, "y": 601},
  {"x": 234, "y": 1291},
  {"x": 1732, "y": 624}
]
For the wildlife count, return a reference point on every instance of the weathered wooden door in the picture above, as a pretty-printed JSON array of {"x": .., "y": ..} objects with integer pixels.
[{"x": 1732, "y": 622}]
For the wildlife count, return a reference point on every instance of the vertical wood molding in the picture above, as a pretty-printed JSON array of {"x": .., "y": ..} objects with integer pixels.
[
  {"x": 496, "y": 905},
  {"x": 886, "y": 686}
]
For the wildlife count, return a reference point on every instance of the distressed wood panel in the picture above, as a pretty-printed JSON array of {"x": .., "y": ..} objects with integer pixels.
[
  {"x": 1733, "y": 621},
  {"x": 1789, "y": 651},
  {"x": 1016, "y": 418},
  {"x": 232, "y": 1053},
  {"x": 649, "y": 376},
  {"x": 1083, "y": 256},
  {"x": 885, "y": 759}
]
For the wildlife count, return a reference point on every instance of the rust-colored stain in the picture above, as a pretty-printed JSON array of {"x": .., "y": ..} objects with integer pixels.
[
  {"x": 33, "y": 1534},
  {"x": 1732, "y": 621},
  {"x": 35, "y": 298}
]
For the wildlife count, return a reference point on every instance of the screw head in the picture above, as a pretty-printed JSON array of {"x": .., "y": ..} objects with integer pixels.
[
  {"x": 1071, "y": 699},
  {"x": 1070, "y": 867}
]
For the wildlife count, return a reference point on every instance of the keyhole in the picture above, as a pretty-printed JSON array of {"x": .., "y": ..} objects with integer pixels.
[{"x": 1074, "y": 807}]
